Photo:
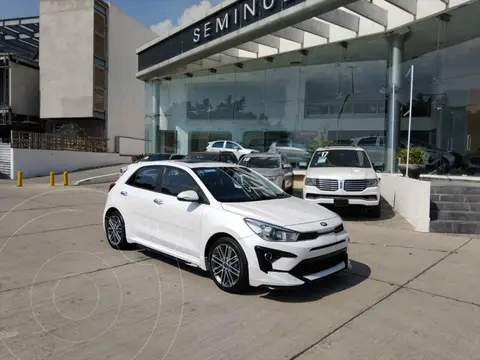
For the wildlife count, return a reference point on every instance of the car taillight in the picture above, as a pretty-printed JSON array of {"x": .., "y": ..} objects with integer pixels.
[{"x": 111, "y": 187}]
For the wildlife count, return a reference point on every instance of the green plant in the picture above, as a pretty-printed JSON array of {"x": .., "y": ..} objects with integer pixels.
[{"x": 416, "y": 156}]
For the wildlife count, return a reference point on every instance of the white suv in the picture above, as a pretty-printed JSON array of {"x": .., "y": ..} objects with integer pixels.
[
  {"x": 342, "y": 176},
  {"x": 227, "y": 145}
]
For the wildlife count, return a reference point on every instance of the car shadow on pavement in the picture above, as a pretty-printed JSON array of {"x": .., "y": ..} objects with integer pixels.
[
  {"x": 306, "y": 293},
  {"x": 325, "y": 287},
  {"x": 360, "y": 214}
]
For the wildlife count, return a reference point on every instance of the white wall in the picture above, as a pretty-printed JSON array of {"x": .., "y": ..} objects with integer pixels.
[
  {"x": 66, "y": 55},
  {"x": 41, "y": 162},
  {"x": 409, "y": 197},
  {"x": 126, "y": 94},
  {"x": 24, "y": 89},
  {"x": 130, "y": 146},
  {"x": 5, "y": 159}
]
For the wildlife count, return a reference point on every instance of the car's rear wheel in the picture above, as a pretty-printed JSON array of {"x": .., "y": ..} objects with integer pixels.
[
  {"x": 228, "y": 265},
  {"x": 115, "y": 231}
]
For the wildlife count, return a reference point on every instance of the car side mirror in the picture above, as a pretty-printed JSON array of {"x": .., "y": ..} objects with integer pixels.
[
  {"x": 189, "y": 196},
  {"x": 285, "y": 166}
]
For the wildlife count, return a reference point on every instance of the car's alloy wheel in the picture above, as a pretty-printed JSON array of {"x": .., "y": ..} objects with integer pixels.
[
  {"x": 228, "y": 265},
  {"x": 115, "y": 231}
]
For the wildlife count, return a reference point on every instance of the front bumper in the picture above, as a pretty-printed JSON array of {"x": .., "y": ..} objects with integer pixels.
[
  {"x": 368, "y": 197},
  {"x": 278, "y": 264}
]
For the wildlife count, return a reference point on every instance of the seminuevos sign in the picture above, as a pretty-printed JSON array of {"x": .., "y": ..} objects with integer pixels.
[{"x": 233, "y": 17}]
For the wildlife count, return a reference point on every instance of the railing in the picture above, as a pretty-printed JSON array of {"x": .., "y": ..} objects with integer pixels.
[{"x": 39, "y": 141}]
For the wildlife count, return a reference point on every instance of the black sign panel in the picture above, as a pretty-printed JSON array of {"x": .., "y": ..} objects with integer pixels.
[{"x": 238, "y": 15}]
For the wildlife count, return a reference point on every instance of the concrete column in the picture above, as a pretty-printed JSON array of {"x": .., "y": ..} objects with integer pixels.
[
  {"x": 395, "y": 76},
  {"x": 155, "y": 116}
]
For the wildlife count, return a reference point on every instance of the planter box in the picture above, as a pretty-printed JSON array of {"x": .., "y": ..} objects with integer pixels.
[{"x": 414, "y": 170}]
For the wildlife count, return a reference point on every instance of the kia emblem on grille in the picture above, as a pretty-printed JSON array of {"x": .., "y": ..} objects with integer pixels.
[{"x": 323, "y": 224}]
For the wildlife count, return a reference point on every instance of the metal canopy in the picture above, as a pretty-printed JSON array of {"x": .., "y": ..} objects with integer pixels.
[
  {"x": 354, "y": 19},
  {"x": 20, "y": 36}
]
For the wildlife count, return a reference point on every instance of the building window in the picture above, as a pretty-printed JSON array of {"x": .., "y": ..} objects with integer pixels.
[
  {"x": 100, "y": 63},
  {"x": 99, "y": 99},
  {"x": 99, "y": 24},
  {"x": 100, "y": 77},
  {"x": 100, "y": 8},
  {"x": 99, "y": 46}
]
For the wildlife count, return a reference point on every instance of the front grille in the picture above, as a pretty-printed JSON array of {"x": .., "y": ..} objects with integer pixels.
[
  {"x": 319, "y": 263},
  {"x": 315, "y": 234},
  {"x": 355, "y": 185},
  {"x": 327, "y": 184}
]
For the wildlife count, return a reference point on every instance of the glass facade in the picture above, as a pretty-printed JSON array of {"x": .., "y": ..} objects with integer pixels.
[{"x": 338, "y": 92}]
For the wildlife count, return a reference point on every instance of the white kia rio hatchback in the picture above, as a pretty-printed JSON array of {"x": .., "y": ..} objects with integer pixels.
[{"x": 225, "y": 219}]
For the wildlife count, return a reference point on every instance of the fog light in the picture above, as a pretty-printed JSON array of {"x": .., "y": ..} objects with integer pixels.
[{"x": 268, "y": 256}]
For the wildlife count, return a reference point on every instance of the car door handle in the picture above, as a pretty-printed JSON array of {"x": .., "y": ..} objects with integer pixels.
[
  {"x": 124, "y": 193},
  {"x": 158, "y": 201}
]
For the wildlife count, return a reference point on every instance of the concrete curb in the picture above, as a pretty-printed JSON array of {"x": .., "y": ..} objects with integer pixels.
[{"x": 101, "y": 179}]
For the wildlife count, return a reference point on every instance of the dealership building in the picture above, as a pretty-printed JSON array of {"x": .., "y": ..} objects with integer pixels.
[{"x": 264, "y": 71}]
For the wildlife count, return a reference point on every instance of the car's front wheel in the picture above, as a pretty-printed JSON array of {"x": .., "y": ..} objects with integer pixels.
[
  {"x": 115, "y": 231},
  {"x": 228, "y": 265}
]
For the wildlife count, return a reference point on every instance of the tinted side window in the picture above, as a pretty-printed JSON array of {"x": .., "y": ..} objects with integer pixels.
[
  {"x": 145, "y": 178},
  {"x": 231, "y": 145},
  {"x": 176, "y": 180},
  {"x": 370, "y": 141},
  {"x": 282, "y": 142},
  {"x": 218, "y": 144}
]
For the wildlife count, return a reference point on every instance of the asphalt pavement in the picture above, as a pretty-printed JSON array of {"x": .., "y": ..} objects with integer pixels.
[{"x": 65, "y": 294}]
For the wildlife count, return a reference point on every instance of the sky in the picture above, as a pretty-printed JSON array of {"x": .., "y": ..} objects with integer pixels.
[{"x": 159, "y": 15}]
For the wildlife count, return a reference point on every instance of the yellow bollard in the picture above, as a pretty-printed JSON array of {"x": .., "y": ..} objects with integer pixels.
[
  {"x": 19, "y": 179},
  {"x": 65, "y": 178},
  {"x": 52, "y": 178}
]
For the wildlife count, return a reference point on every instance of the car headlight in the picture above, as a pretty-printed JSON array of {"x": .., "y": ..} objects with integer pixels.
[
  {"x": 272, "y": 178},
  {"x": 310, "y": 182},
  {"x": 372, "y": 182},
  {"x": 271, "y": 232}
]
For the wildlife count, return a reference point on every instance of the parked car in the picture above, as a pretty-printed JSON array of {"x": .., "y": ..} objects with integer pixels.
[
  {"x": 231, "y": 146},
  {"x": 435, "y": 159},
  {"x": 225, "y": 219},
  {"x": 342, "y": 176},
  {"x": 295, "y": 150},
  {"x": 218, "y": 156},
  {"x": 260, "y": 145},
  {"x": 275, "y": 167},
  {"x": 471, "y": 162},
  {"x": 155, "y": 157}
]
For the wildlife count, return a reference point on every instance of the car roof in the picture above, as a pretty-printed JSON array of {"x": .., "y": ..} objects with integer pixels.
[
  {"x": 191, "y": 165},
  {"x": 264, "y": 154},
  {"x": 338, "y": 147}
]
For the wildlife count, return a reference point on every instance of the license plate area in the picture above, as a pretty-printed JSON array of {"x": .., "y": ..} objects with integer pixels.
[{"x": 340, "y": 202}]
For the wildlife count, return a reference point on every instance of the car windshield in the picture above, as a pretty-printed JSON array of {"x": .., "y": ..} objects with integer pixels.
[
  {"x": 257, "y": 162},
  {"x": 238, "y": 184},
  {"x": 340, "y": 158},
  {"x": 156, "y": 157},
  {"x": 201, "y": 156}
]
